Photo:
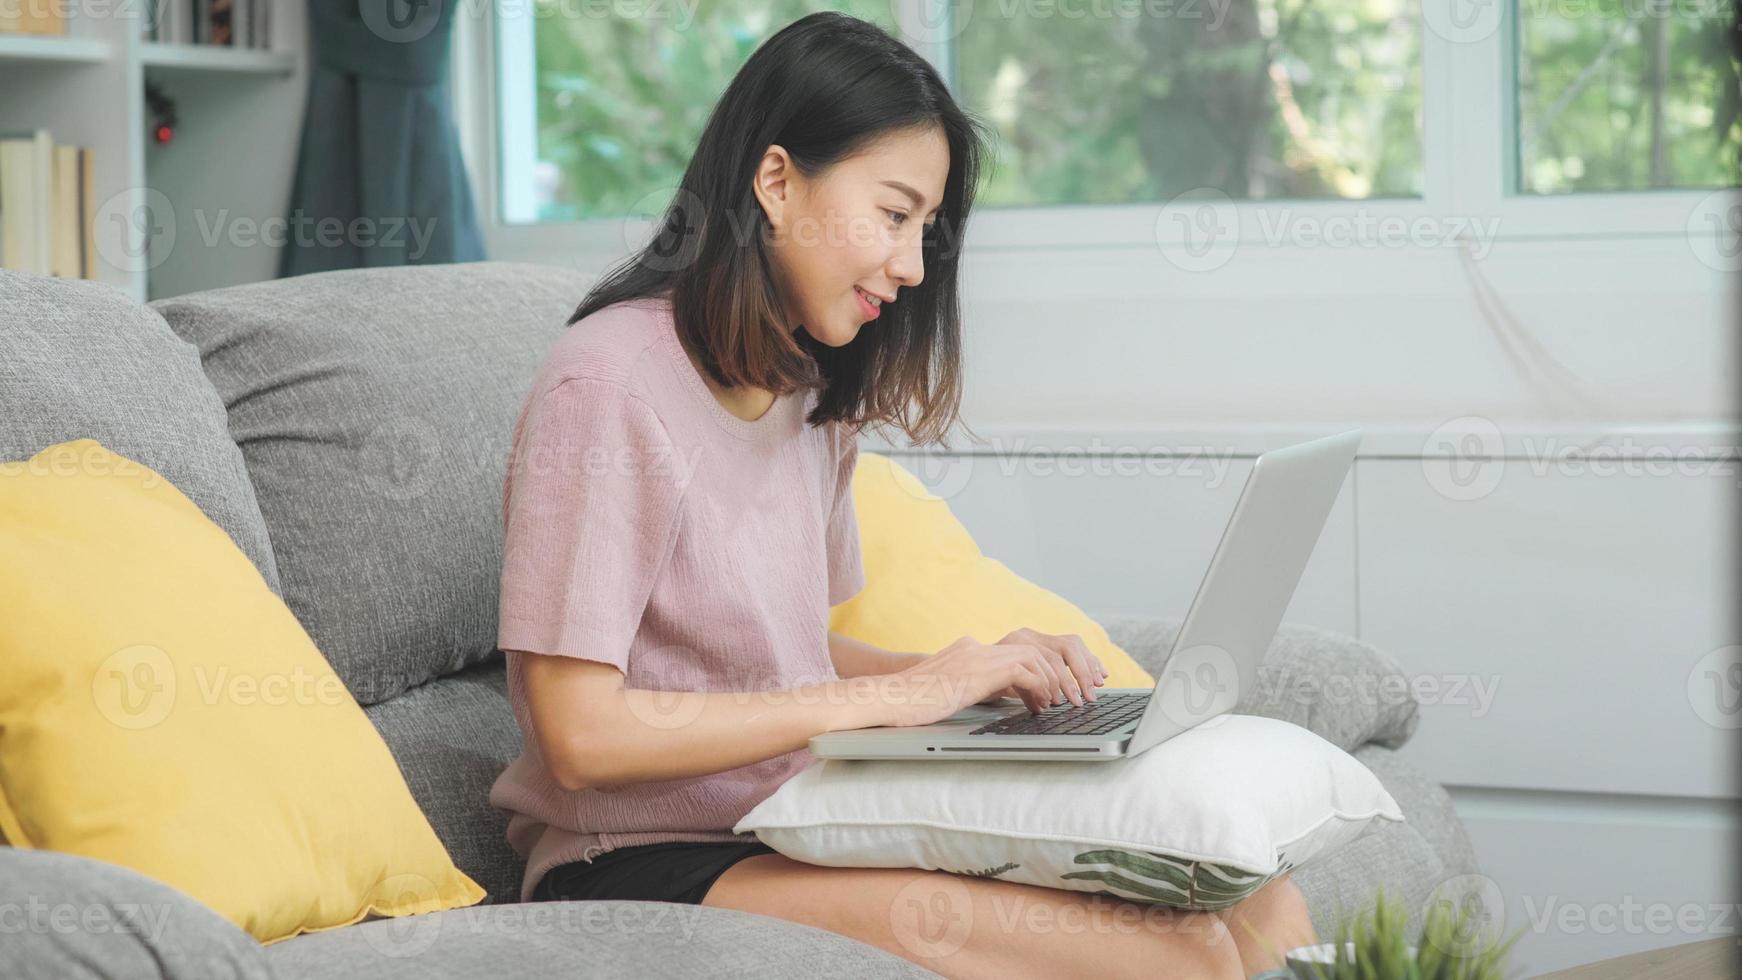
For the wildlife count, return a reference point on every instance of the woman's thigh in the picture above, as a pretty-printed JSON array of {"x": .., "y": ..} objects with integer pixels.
[{"x": 970, "y": 927}]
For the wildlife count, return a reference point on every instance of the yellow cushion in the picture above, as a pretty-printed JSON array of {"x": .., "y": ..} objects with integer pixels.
[
  {"x": 163, "y": 710},
  {"x": 926, "y": 582}
]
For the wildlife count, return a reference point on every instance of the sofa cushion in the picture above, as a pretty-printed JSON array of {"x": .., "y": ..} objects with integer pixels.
[
  {"x": 73, "y": 916},
  {"x": 1428, "y": 853},
  {"x": 614, "y": 940},
  {"x": 926, "y": 582},
  {"x": 212, "y": 748},
  {"x": 82, "y": 360},
  {"x": 452, "y": 737},
  {"x": 374, "y": 408},
  {"x": 1341, "y": 689}
]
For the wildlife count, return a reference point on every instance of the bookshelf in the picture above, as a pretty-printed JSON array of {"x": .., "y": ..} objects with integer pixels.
[
  {"x": 213, "y": 194},
  {"x": 206, "y": 57},
  {"x": 24, "y": 47}
]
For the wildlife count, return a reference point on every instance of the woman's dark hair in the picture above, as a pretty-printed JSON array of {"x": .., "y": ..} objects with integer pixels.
[{"x": 825, "y": 87}]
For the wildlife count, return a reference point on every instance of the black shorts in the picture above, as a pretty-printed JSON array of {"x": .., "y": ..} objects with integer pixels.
[{"x": 670, "y": 871}]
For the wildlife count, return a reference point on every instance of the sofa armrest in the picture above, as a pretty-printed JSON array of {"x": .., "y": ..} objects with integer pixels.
[
  {"x": 1343, "y": 690},
  {"x": 74, "y": 916}
]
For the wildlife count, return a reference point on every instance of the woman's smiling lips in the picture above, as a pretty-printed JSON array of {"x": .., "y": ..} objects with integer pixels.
[{"x": 865, "y": 306}]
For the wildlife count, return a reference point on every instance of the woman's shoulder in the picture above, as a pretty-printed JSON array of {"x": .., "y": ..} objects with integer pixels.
[{"x": 616, "y": 344}]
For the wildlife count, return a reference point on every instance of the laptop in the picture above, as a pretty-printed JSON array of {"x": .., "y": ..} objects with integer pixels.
[{"x": 1215, "y": 656}]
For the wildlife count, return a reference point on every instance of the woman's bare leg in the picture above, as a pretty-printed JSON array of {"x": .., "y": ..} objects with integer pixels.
[
  {"x": 968, "y": 927},
  {"x": 1278, "y": 912}
]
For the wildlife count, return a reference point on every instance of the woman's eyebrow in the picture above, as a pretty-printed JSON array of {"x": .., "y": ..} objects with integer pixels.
[{"x": 916, "y": 196}]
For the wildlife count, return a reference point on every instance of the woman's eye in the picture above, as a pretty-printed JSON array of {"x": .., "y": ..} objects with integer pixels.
[{"x": 897, "y": 216}]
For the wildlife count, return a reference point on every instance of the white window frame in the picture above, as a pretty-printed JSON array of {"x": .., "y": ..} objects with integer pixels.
[{"x": 1469, "y": 139}]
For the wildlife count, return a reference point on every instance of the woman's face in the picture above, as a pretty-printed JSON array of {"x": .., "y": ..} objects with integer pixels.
[{"x": 853, "y": 229}]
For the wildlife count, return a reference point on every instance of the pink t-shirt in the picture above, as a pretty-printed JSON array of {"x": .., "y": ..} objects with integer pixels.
[{"x": 648, "y": 527}]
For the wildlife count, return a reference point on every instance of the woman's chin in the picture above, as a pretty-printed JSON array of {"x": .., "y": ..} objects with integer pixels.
[{"x": 835, "y": 336}]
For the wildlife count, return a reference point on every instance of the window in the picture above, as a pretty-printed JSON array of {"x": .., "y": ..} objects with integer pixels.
[
  {"x": 1104, "y": 102},
  {"x": 1104, "y": 109},
  {"x": 1621, "y": 95},
  {"x": 620, "y": 101}
]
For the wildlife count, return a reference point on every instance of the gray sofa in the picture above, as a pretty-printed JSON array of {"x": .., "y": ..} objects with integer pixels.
[{"x": 349, "y": 430}]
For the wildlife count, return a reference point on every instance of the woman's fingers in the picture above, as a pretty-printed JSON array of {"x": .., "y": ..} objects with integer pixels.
[
  {"x": 1088, "y": 669},
  {"x": 1061, "y": 686},
  {"x": 1076, "y": 670},
  {"x": 1064, "y": 679},
  {"x": 1031, "y": 679}
]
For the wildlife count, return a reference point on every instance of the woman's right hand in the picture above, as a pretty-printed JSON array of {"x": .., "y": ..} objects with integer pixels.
[{"x": 964, "y": 673}]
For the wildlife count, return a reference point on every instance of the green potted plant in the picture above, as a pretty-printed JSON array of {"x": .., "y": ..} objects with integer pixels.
[{"x": 1374, "y": 945}]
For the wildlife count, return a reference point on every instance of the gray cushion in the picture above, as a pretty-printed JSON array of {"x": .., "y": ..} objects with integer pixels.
[
  {"x": 596, "y": 940},
  {"x": 374, "y": 408},
  {"x": 71, "y": 917},
  {"x": 452, "y": 737},
  {"x": 1341, "y": 689},
  {"x": 1408, "y": 859},
  {"x": 79, "y": 359}
]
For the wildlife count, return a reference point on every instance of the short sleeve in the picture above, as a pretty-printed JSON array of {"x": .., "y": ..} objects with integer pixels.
[
  {"x": 590, "y": 513},
  {"x": 846, "y": 570}
]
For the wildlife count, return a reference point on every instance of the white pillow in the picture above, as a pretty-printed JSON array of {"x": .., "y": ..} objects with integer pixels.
[{"x": 1197, "y": 822}]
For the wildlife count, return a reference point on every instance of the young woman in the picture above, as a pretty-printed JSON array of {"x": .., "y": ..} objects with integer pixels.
[{"x": 679, "y": 519}]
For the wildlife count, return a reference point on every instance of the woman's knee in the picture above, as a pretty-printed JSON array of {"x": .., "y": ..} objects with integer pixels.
[
  {"x": 1269, "y": 922},
  {"x": 1213, "y": 951},
  {"x": 1278, "y": 894}
]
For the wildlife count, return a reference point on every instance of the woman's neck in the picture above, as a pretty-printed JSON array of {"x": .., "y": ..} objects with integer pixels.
[{"x": 747, "y": 403}]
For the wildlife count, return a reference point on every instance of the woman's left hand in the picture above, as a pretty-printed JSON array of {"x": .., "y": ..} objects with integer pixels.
[{"x": 1075, "y": 672}]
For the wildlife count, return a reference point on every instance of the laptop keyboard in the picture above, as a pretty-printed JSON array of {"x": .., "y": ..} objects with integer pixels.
[{"x": 1097, "y": 717}]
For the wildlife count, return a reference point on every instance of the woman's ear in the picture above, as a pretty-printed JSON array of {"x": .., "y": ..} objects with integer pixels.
[{"x": 773, "y": 185}]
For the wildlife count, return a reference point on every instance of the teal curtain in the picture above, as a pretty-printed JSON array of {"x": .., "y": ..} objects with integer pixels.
[{"x": 379, "y": 178}]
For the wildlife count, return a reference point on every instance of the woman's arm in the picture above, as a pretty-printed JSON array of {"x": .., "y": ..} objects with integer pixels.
[
  {"x": 595, "y": 733},
  {"x": 856, "y": 658}
]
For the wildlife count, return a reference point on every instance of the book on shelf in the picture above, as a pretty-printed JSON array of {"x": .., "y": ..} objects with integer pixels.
[
  {"x": 33, "y": 17},
  {"x": 221, "y": 23},
  {"x": 46, "y": 206}
]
